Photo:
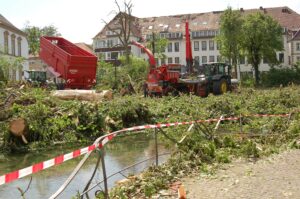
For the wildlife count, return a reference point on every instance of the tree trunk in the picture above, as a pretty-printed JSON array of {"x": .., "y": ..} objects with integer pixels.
[
  {"x": 256, "y": 73},
  {"x": 127, "y": 55}
]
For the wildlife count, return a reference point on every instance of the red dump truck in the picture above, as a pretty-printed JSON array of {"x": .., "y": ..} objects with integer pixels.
[{"x": 75, "y": 67}]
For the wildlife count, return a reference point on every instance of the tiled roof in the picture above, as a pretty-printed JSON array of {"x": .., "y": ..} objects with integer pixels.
[
  {"x": 113, "y": 25},
  {"x": 85, "y": 47},
  {"x": 285, "y": 16},
  {"x": 6, "y": 23},
  {"x": 206, "y": 21}
]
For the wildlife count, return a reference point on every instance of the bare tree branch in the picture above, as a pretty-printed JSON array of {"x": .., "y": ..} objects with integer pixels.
[{"x": 123, "y": 22}]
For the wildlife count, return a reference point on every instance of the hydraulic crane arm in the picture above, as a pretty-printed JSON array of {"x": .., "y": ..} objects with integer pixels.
[
  {"x": 188, "y": 49},
  {"x": 148, "y": 52}
]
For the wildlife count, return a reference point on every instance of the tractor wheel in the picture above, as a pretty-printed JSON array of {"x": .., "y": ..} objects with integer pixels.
[
  {"x": 202, "y": 90},
  {"x": 220, "y": 87}
]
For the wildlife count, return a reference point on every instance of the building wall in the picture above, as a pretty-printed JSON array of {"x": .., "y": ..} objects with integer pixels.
[
  {"x": 213, "y": 54},
  {"x": 24, "y": 50},
  {"x": 295, "y": 48}
]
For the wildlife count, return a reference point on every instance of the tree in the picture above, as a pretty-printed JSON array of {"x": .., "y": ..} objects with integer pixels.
[
  {"x": 230, "y": 36},
  {"x": 34, "y": 33},
  {"x": 262, "y": 37},
  {"x": 160, "y": 45},
  {"x": 124, "y": 24},
  {"x": 8, "y": 64}
]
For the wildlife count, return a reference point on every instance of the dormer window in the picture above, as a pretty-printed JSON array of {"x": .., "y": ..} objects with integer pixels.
[{"x": 109, "y": 32}]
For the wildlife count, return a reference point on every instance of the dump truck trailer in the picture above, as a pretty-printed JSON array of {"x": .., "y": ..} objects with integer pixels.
[{"x": 75, "y": 67}]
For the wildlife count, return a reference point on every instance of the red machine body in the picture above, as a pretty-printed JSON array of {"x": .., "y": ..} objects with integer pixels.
[
  {"x": 74, "y": 65},
  {"x": 158, "y": 75},
  {"x": 159, "y": 78}
]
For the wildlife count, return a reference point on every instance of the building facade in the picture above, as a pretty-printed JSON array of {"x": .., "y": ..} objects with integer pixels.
[
  {"x": 204, "y": 27},
  {"x": 13, "y": 44}
]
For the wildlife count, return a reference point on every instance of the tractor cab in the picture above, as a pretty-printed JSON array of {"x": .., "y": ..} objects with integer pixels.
[
  {"x": 37, "y": 77},
  {"x": 215, "y": 69},
  {"x": 215, "y": 77}
]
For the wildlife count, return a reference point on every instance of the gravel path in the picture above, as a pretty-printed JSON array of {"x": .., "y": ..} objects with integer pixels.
[{"x": 277, "y": 176}]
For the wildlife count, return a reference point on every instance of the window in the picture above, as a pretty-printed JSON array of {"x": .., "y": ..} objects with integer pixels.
[
  {"x": 101, "y": 44},
  {"x": 13, "y": 45},
  {"x": 211, "y": 45},
  {"x": 169, "y": 47},
  {"x": 211, "y": 58},
  {"x": 298, "y": 46},
  {"x": 197, "y": 60},
  {"x": 108, "y": 55},
  {"x": 114, "y": 55},
  {"x": 219, "y": 58},
  {"x": 110, "y": 43},
  {"x": 281, "y": 57},
  {"x": 162, "y": 61},
  {"x": 176, "y": 46},
  {"x": 6, "y": 42},
  {"x": 196, "y": 45},
  {"x": 204, "y": 59},
  {"x": 298, "y": 58},
  {"x": 109, "y": 32},
  {"x": 242, "y": 60},
  {"x": 19, "y": 46},
  {"x": 204, "y": 47},
  {"x": 170, "y": 60},
  {"x": 177, "y": 60}
]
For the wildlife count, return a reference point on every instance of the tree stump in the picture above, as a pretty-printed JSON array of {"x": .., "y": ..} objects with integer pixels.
[{"x": 18, "y": 128}]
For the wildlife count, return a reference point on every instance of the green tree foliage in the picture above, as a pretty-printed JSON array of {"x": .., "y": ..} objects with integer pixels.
[
  {"x": 34, "y": 33},
  {"x": 160, "y": 45},
  {"x": 230, "y": 35},
  {"x": 110, "y": 76},
  {"x": 8, "y": 63},
  {"x": 262, "y": 37}
]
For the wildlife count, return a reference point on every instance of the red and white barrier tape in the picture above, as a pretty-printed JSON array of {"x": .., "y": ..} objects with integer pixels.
[{"x": 62, "y": 158}]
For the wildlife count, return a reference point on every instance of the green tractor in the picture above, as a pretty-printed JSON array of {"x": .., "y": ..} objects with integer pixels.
[
  {"x": 215, "y": 78},
  {"x": 37, "y": 77}
]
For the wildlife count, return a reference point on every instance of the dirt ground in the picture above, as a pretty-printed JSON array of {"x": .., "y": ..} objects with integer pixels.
[{"x": 277, "y": 176}]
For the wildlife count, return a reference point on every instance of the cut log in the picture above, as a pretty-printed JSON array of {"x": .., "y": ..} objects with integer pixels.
[
  {"x": 84, "y": 95},
  {"x": 17, "y": 127}
]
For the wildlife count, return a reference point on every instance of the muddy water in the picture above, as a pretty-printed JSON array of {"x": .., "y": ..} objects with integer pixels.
[{"x": 119, "y": 154}]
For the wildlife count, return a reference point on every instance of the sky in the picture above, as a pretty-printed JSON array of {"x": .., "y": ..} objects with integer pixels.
[{"x": 81, "y": 20}]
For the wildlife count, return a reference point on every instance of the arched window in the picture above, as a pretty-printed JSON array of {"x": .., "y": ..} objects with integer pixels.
[
  {"x": 6, "y": 42},
  {"x": 19, "y": 46},
  {"x": 13, "y": 44}
]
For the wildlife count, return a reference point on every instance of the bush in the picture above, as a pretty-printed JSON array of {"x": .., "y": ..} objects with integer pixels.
[
  {"x": 116, "y": 77},
  {"x": 247, "y": 80},
  {"x": 281, "y": 76}
]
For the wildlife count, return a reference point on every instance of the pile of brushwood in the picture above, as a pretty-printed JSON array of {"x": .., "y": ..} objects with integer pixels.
[
  {"x": 50, "y": 121},
  {"x": 203, "y": 148}
]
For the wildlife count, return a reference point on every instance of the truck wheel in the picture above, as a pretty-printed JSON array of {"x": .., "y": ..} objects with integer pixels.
[
  {"x": 220, "y": 87},
  {"x": 202, "y": 91}
]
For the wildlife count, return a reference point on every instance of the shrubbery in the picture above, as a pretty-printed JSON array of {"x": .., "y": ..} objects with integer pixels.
[
  {"x": 117, "y": 77},
  {"x": 281, "y": 76}
]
